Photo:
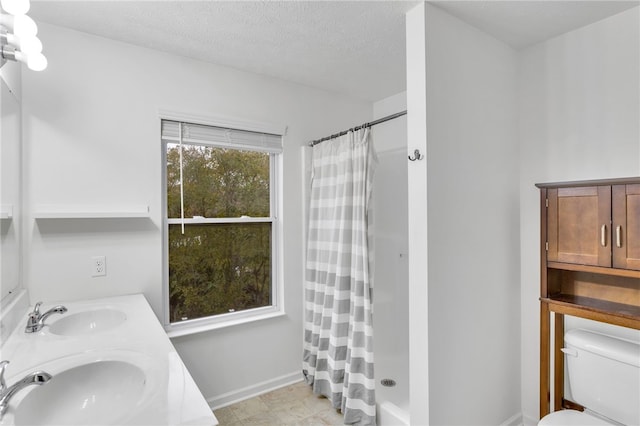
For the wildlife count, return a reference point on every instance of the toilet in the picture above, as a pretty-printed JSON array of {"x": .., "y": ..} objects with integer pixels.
[{"x": 604, "y": 377}]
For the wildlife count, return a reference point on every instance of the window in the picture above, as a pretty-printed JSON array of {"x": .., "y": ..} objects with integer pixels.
[{"x": 221, "y": 227}]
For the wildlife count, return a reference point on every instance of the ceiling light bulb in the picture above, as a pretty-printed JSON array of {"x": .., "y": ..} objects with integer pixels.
[
  {"x": 20, "y": 25},
  {"x": 24, "y": 26},
  {"x": 30, "y": 45},
  {"x": 15, "y": 7},
  {"x": 37, "y": 62}
]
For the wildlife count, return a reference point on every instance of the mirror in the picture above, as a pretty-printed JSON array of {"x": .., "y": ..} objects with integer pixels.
[{"x": 10, "y": 191}]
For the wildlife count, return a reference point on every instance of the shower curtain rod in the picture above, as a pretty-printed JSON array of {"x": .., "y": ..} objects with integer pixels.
[{"x": 372, "y": 123}]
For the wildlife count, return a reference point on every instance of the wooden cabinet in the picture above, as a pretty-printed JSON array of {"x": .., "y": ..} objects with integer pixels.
[
  {"x": 626, "y": 226},
  {"x": 590, "y": 266},
  {"x": 594, "y": 225}
]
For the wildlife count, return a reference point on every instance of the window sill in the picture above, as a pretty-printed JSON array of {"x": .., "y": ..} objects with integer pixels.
[{"x": 208, "y": 324}]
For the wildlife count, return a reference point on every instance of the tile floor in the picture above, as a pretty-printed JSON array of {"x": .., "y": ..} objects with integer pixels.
[{"x": 291, "y": 405}]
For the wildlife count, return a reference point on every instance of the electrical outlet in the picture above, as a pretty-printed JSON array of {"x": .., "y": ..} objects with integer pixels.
[{"x": 98, "y": 266}]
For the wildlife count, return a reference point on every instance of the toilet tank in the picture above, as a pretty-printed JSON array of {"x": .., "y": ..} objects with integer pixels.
[{"x": 604, "y": 374}]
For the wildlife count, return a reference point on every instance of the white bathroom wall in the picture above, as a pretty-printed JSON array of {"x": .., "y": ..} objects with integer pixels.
[
  {"x": 473, "y": 222},
  {"x": 417, "y": 216},
  {"x": 579, "y": 107},
  {"x": 92, "y": 137}
]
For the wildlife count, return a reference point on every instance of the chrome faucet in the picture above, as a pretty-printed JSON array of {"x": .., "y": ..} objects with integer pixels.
[
  {"x": 35, "y": 322},
  {"x": 35, "y": 378}
]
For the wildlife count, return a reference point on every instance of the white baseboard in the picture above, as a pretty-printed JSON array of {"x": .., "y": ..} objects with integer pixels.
[
  {"x": 515, "y": 420},
  {"x": 238, "y": 395}
]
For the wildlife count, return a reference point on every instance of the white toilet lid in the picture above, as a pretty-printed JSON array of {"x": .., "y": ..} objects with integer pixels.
[{"x": 571, "y": 418}]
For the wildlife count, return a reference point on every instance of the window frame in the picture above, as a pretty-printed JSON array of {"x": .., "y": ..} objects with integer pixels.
[{"x": 276, "y": 308}]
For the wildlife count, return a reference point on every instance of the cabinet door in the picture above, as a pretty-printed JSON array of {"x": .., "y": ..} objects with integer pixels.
[
  {"x": 578, "y": 225},
  {"x": 626, "y": 226}
]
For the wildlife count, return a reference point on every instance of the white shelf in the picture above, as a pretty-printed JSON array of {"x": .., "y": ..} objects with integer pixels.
[
  {"x": 91, "y": 212},
  {"x": 6, "y": 211}
]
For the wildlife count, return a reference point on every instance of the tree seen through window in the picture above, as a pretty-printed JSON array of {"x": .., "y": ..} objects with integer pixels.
[{"x": 218, "y": 266}]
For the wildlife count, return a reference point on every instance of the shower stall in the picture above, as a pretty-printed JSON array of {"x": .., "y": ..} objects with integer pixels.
[
  {"x": 390, "y": 262},
  {"x": 391, "y": 279}
]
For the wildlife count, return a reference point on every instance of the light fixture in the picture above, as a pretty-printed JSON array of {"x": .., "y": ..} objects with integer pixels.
[
  {"x": 15, "y": 7},
  {"x": 27, "y": 45},
  {"x": 34, "y": 61},
  {"x": 18, "y": 41}
]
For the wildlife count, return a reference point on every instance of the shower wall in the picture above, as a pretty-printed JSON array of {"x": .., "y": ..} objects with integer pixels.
[{"x": 391, "y": 289}]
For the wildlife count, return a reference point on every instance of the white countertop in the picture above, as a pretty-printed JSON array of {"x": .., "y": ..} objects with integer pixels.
[{"x": 171, "y": 397}]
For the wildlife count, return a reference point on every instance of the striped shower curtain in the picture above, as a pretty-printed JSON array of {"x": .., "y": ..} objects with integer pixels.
[{"x": 338, "y": 333}]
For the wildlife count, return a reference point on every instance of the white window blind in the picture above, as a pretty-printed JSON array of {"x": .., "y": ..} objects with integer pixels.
[{"x": 221, "y": 137}]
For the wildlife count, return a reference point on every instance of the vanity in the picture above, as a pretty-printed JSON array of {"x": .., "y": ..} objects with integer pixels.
[{"x": 110, "y": 362}]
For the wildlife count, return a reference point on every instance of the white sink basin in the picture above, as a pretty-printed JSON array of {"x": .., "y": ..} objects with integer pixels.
[
  {"x": 87, "y": 322},
  {"x": 107, "y": 390}
]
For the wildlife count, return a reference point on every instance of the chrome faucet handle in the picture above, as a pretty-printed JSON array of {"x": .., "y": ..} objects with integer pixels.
[
  {"x": 32, "y": 319},
  {"x": 36, "y": 309},
  {"x": 3, "y": 366}
]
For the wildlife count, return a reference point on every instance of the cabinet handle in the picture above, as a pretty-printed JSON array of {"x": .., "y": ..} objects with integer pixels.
[
  {"x": 619, "y": 236},
  {"x": 603, "y": 235}
]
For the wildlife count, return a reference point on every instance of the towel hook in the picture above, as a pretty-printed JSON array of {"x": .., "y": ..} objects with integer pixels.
[{"x": 416, "y": 155}]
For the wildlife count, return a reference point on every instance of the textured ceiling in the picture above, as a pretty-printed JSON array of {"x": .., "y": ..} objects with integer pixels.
[
  {"x": 356, "y": 48},
  {"x": 525, "y": 23}
]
